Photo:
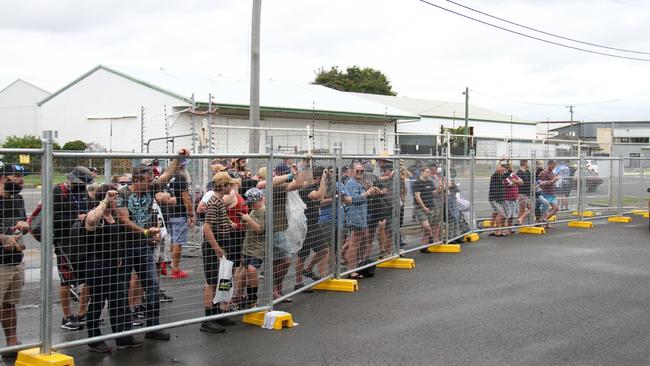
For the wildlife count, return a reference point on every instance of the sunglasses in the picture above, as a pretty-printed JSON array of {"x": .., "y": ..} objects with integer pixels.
[{"x": 358, "y": 171}]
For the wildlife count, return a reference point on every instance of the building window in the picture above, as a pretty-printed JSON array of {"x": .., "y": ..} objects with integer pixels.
[
  {"x": 632, "y": 140},
  {"x": 635, "y": 155}
]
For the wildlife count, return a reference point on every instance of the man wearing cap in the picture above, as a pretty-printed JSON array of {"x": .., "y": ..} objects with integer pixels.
[
  {"x": 70, "y": 204},
  {"x": 12, "y": 226},
  {"x": 137, "y": 215}
]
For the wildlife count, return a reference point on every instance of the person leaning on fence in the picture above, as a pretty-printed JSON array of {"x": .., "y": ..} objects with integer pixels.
[
  {"x": 13, "y": 225},
  {"x": 106, "y": 261},
  {"x": 283, "y": 182},
  {"x": 254, "y": 243},
  {"x": 524, "y": 191},
  {"x": 511, "y": 197},
  {"x": 547, "y": 180},
  {"x": 357, "y": 219},
  {"x": 328, "y": 218},
  {"x": 425, "y": 210},
  {"x": 216, "y": 233},
  {"x": 311, "y": 193},
  {"x": 438, "y": 206},
  {"x": 496, "y": 198},
  {"x": 236, "y": 207},
  {"x": 139, "y": 220},
  {"x": 70, "y": 204}
]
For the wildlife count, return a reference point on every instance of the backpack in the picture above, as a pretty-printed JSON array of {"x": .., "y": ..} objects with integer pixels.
[{"x": 35, "y": 220}]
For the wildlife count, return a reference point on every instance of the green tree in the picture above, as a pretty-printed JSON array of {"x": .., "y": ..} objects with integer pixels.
[
  {"x": 355, "y": 79},
  {"x": 76, "y": 145}
]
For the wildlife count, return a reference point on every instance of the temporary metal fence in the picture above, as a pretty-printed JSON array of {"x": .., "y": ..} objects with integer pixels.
[{"x": 286, "y": 222}]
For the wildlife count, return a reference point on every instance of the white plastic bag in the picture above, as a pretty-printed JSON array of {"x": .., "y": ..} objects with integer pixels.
[
  {"x": 297, "y": 229},
  {"x": 463, "y": 204},
  {"x": 225, "y": 286},
  {"x": 162, "y": 250}
]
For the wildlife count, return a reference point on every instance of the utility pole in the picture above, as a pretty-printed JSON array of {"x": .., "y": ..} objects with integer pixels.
[
  {"x": 466, "y": 119},
  {"x": 254, "y": 115},
  {"x": 572, "y": 127}
]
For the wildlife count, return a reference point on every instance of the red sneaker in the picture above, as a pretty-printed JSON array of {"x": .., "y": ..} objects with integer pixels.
[
  {"x": 163, "y": 268},
  {"x": 178, "y": 274}
]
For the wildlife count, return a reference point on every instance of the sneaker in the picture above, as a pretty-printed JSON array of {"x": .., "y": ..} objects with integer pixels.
[
  {"x": 80, "y": 320},
  {"x": 137, "y": 323},
  {"x": 69, "y": 323},
  {"x": 164, "y": 297},
  {"x": 163, "y": 268},
  {"x": 226, "y": 322},
  {"x": 158, "y": 335},
  {"x": 139, "y": 311},
  {"x": 100, "y": 347},
  {"x": 402, "y": 244},
  {"x": 129, "y": 344},
  {"x": 178, "y": 274},
  {"x": 211, "y": 327}
]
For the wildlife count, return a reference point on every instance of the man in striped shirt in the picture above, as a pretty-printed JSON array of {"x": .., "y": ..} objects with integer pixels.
[{"x": 216, "y": 231}]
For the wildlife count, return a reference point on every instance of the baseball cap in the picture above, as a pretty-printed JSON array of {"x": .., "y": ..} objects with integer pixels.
[
  {"x": 11, "y": 169},
  {"x": 222, "y": 178},
  {"x": 254, "y": 195},
  {"x": 80, "y": 174}
]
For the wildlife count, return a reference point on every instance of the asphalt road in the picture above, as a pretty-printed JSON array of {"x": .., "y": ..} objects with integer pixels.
[{"x": 570, "y": 297}]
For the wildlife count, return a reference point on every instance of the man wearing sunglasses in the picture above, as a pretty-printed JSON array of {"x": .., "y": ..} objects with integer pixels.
[{"x": 13, "y": 224}]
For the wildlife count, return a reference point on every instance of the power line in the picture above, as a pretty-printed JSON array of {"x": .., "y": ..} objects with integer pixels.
[
  {"x": 543, "y": 32},
  {"x": 533, "y": 37}
]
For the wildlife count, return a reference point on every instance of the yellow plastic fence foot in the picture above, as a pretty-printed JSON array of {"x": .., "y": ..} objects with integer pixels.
[
  {"x": 341, "y": 285},
  {"x": 32, "y": 357},
  {"x": 284, "y": 320},
  {"x": 622, "y": 219},
  {"x": 399, "y": 263},
  {"x": 552, "y": 218},
  {"x": 581, "y": 224},
  {"x": 532, "y": 230},
  {"x": 646, "y": 215},
  {"x": 487, "y": 223},
  {"x": 471, "y": 237},
  {"x": 584, "y": 213},
  {"x": 639, "y": 212},
  {"x": 444, "y": 248}
]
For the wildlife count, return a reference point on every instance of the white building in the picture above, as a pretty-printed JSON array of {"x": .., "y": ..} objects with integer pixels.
[
  {"x": 491, "y": 129},
  {"x": 18, "y": 109},
  {"x": 128, "y": 109}
]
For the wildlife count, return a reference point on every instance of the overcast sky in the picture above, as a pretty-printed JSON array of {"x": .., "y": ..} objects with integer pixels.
[{"x": 426, "y": 52}]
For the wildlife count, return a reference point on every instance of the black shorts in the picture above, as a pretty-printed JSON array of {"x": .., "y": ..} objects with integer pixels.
[
  {"x": 253, "y": 262},
  {"x": 211, "y": 263},
  {"x": 315, "y": 240},
  {"x": 234, "y": 247}
]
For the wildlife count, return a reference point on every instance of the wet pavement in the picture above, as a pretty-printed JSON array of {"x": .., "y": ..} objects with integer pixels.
[{"x": 571, "y": 297}]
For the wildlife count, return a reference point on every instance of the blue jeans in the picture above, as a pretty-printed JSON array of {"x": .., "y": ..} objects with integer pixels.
[{"x": 141, "y": 259}]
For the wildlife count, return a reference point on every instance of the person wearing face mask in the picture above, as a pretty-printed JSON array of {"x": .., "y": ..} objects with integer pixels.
[
  {"x": 12, "y": 226},
  {"x": 71, "y": 203}
]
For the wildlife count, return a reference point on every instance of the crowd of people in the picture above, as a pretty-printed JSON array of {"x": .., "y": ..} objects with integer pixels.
[
  {"x": 515, "y": 197},
  {"x": 114, "y": 241}
]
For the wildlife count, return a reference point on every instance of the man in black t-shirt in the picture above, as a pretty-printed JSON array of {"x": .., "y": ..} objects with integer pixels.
[
  {"x": 524, "y": 191},
  {"x": 70, "y": 204},
  {"x": 12, "y": 226},
  {"x": 179, "y": 218}
]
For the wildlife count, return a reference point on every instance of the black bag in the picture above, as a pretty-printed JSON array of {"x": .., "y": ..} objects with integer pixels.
[{"x": 369, "y": 271}]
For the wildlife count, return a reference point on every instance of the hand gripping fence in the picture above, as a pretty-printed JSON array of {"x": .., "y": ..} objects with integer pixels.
[{"x": 142, "y": 243}]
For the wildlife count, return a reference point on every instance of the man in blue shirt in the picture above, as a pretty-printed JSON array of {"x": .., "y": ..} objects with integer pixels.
[{"x": 357, "y": 219}]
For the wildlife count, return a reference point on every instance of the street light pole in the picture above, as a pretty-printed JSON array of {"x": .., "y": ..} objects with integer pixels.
[{"x": 254, "y": 119}]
